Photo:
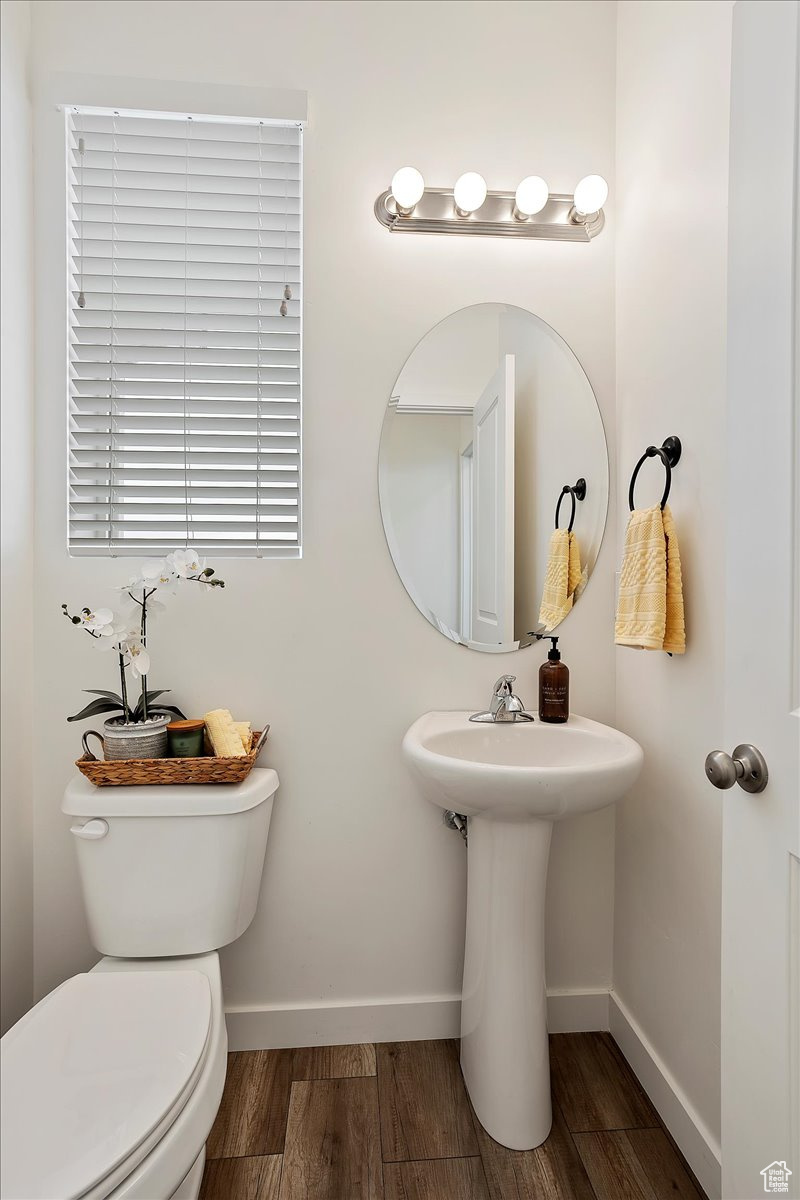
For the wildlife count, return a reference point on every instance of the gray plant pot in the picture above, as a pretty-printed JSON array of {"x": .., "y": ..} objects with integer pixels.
[{"x": 144, "y": 739}]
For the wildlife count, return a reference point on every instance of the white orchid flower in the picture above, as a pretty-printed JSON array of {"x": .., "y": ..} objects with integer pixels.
[
  {"x": 154, "y": 575},
  {"x": 137, "y": 655},
  {"x": 165, "y": 582},
  {"x": 134, "y": 587},
  {"x": 113, "y": 639},
  {"x": 155, "y": 570},
  {"x": 100, "y": 622},
  {"x": 184, "y": 563}
]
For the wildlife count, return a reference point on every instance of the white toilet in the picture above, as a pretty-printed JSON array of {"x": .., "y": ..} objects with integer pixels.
[{"x": 111, "y": 1083}]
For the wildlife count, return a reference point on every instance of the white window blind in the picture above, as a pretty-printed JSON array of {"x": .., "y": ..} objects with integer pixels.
[{"x": 185, "y": 377}]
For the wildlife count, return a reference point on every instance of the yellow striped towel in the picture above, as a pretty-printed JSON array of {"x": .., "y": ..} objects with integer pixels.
[
  {"x": 650, "y": 604},
  {"x": 563, "y": 581}
]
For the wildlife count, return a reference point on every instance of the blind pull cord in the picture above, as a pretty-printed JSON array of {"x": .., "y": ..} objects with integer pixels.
[
  {"x": 258, "y": 337},
  {"x": 185, "y": 325},
  {"x": 112, "y": 449},
  {"x": 81, "y": 155},
  {"x": 287, "y": 291}
]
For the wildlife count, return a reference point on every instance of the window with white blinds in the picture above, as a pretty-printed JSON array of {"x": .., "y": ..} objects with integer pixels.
[{"x": 185, "y": 334}]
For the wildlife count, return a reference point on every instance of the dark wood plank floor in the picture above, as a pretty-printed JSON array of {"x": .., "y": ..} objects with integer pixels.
[{"x": 394, "y": 1122}]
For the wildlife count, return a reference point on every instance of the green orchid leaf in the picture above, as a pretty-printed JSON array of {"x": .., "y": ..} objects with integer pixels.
[
  {"x": 100, "y": 692},
  {"x": 95, "y": 707},
  {"x": 152, "y": 707}
]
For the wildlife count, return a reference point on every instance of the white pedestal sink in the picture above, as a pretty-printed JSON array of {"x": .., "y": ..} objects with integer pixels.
[{"x": 512, "y": 780}]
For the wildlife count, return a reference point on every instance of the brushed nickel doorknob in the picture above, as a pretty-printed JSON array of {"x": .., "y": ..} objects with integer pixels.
[{"x": 746, "y": 766}]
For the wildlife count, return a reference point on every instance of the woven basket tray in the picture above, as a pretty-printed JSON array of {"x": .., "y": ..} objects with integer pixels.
[{"x": 128, "y": 772}]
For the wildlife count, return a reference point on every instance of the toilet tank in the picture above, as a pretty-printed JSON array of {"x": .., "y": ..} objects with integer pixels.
[{"x": 170, "y": 870}]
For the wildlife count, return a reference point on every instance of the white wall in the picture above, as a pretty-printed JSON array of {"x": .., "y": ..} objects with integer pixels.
[
  {"x": 363, "y": 894},
  {"x": 673, "y": 80},
  {"x": 16, "y": 364}
]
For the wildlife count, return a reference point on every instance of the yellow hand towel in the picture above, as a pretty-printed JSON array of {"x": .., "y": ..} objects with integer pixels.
[
  {"x": 563, "y": 581},
  {"x": 650, "y": 603},
  {"x": 225, "y": 741},
  {"x": 675, "y": 632}
]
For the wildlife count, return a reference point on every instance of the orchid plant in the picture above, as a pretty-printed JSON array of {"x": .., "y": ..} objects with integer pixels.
[{"x": 125, "y": 632}]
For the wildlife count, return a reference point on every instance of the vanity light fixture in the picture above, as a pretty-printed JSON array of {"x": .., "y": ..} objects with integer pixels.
[
  {"x": 531, "y": 211},
  {"x": 590, "y": 196},
  {"x": 469, "y": 193},
  {"x": 407, "y": 189},
  {"x": 530, "y": 197}
]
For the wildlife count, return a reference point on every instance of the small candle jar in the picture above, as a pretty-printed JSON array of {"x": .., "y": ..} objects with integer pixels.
[{"x": 185, "y": 739}]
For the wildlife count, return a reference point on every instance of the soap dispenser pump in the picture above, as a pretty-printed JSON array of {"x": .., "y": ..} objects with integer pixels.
[{"x": 554, "y": 688}]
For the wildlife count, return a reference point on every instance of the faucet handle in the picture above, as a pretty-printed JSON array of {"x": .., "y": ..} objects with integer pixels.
[{"x": 505, "y": 706}]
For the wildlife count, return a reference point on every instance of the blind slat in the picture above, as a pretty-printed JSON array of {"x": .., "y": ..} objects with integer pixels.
[
  {"x": 185, "y": 376},
  {"x": 140, "y": 338},
  {"x": 163, "y": 492},
  {"x": 197, "y": 329},
  {"x": 226, "y": 255},
  {"x": 177, "y": 461},
  {"x": 218, "y": 477},
  {"x": 201, "y": 406},
  {"x": 219, "y": 547},
  {"x": 167, "y": 271}
]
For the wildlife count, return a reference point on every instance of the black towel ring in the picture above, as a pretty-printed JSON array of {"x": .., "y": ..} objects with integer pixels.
[
  {"x": 669, "y": 453},
  {"x": 578, "y": 492}
]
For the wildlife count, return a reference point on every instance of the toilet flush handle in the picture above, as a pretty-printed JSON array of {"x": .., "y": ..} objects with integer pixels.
[{"x": 92, "y": 830}]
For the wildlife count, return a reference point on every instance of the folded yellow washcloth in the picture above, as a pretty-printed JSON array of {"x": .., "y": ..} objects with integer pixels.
[
  {"x": 563, "y": 581},
  {"x": 226, "y": 742},
  {"x": 650, "y": 603}
]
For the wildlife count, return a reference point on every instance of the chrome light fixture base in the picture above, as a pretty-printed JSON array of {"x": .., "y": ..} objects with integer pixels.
[
  {"x": 435, "y": 212},
  {"x": 592, "y": 222}
]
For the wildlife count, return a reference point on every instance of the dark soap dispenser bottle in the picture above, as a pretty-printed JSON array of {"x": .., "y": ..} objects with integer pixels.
[{"x": 554, "y": 688}]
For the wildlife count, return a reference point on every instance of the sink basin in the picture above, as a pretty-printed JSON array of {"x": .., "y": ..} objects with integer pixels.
[
  {"x": 513, "y": 771},
  {"x": 512, "y": 781}
]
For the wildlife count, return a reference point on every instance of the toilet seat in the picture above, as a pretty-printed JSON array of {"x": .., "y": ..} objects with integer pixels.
[{"x": 94, "y": 1073}]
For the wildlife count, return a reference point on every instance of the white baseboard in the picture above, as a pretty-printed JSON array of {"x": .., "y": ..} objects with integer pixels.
[
  {"x": 577, "y": 1012},
  {"x": 407, "y": 1020},
  {"x": 700, "y": 1149}
]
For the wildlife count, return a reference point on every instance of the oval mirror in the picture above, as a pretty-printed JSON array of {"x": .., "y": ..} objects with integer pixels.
[{"x": 493, "y": 477}]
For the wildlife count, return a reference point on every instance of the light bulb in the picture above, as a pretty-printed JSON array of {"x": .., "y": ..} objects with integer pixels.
[
  {"x": 407, "y": 188},
  {"x": 531, "y": 197},
  {"x": 469, "y": 193},
  {"x": 590, "y": 195}
]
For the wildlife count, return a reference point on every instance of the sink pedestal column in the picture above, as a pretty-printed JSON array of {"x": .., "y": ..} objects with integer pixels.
[{"x": 504, "y": 1047}]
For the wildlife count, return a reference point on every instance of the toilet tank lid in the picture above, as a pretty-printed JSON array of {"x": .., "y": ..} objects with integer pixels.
[{"x": 83, "y": 799}]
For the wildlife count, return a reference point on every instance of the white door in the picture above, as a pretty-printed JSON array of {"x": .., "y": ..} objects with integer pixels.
[
  {"x": 761, "y": 833},
  {"x": 493, "y": 509},
  {"x": 465, "y": 565}
]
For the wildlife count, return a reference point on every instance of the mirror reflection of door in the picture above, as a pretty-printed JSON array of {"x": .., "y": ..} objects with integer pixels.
[
  {"x": 465, "y": 527},
  {"x": 490, "y": 417},
  {"x": 492, "y": 524}
]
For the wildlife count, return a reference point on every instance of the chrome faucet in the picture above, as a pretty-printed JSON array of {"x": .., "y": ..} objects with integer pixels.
[{"x": 504, "y": 706}]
